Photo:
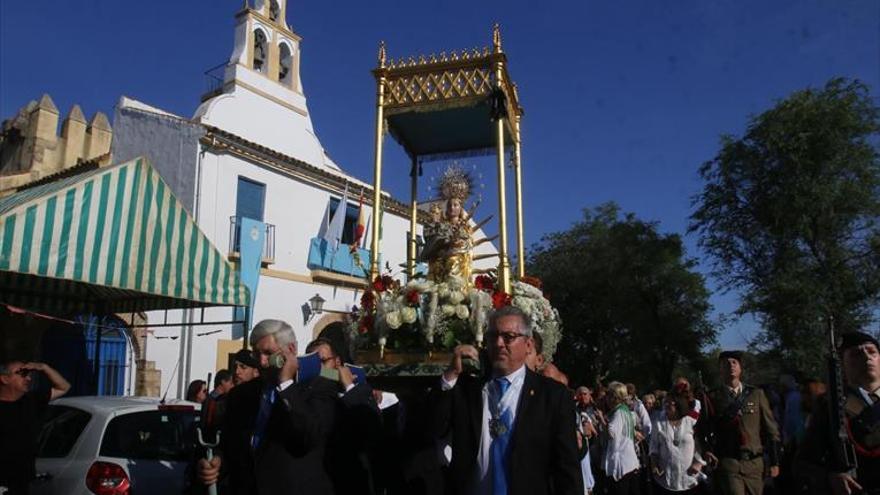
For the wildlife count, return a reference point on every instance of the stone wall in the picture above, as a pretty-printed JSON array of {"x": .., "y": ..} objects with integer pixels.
[{"x": 31, "y": 148}]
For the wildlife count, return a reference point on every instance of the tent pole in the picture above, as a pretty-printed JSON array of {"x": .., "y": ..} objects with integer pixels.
[
  {"x": 97, "y": 364},
  {"x": 247, "y": 318}
]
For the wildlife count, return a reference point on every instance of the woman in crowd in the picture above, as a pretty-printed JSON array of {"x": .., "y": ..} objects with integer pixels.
[
  {"x": 620, "y": 463},
  {"x": 197, "y": 391},
  {"x": 674, "y": 455}
]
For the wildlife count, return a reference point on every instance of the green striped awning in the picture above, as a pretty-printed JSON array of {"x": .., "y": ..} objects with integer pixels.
[{"x": 112, "y": 239}]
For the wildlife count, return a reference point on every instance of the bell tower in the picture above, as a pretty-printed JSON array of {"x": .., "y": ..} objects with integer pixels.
[
  {"x": 261, "y": 97},
  {"x": 265, "y": 44}
]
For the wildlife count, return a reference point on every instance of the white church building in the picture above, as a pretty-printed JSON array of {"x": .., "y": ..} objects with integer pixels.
[{"x": 250, "y": 151}]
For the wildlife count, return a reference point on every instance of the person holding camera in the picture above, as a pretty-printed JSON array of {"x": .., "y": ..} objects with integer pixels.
[
  {"x": 276, "y": 429},
  {"x": 354, "y": 439},
  {"x": 21, "y": 413}
]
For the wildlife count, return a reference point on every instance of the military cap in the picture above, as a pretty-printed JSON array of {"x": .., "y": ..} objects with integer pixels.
[
  {"x": 854, "y": 339},
  {"x": 246, "y": 358},
  {"x": 738, "y": 355}
]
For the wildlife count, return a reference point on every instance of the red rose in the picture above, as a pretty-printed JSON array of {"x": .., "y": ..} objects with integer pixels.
[
  {"x": 413, "y": 297},
  {"x": 368, "y": 301},
  {"x": 379, "y": 284},
  {"x": 484, "y": 282},
  {"x": 389, "y": 282},
  {"x": 500, "y": 299},
  {"x": 366, "y": 324}
]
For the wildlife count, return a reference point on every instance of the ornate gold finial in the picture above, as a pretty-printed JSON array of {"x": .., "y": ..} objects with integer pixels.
[
  {"x": 496, "y": 38},
  {"x": 382, "y": 54}
]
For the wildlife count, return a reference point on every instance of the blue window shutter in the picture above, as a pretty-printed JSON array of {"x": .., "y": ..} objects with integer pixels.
[{"x": 250, "y": 199}]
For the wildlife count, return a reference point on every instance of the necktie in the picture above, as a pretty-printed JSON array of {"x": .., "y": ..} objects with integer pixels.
[
  {"x": 874, "y": 397},
  {"x": 266, "y": 400},
  {"x": 500, "y": 440}
]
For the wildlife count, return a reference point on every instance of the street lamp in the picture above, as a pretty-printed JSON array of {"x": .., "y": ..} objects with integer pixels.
[{"x": 316, "y": 304}]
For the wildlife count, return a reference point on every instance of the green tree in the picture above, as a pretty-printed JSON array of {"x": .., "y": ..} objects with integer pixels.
[
  {"x": 632, "y": 305},
  {"x": 789, "y": 213}
]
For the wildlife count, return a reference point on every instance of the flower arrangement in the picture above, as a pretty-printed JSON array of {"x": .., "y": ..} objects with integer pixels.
[
  {"x": 423, "y": 314},
  {"x": 528, "y": 297}
]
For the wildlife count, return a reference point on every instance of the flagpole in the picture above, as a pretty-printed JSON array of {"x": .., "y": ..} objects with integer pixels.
[
  {"x": 413, "y": 219},
  {"x": 377, "y": 166}
]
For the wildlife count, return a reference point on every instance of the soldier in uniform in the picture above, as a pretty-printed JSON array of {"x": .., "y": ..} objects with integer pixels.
[
  {"x": 737, "y": 428},
  {"x": 861, "y": 365}
]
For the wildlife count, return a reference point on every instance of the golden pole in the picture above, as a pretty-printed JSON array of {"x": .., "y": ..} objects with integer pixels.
[
  {"x": 377, "y": 166},
  {"x": 517, "y": 167},
  {"x": 504, "y": 263},
  {"x": 413, "y": 218}
]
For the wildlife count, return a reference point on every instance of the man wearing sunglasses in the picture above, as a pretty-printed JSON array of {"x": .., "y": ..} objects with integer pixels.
[
  {"x": 21, "y": 412},
  {"x": 511, "y": 431}
]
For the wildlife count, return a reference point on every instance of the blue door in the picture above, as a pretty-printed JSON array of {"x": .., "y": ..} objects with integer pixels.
[
  {"x": 70, "y": 349},
  {"x": 250, "y": 198}
]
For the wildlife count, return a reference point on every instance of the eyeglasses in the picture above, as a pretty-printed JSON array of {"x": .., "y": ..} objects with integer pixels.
[
  {"x": 507, "y": 337},
  {"x": 23, "y": 371}
]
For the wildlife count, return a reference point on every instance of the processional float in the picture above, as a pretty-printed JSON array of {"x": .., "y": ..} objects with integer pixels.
[{"x": 442, "y": 107}]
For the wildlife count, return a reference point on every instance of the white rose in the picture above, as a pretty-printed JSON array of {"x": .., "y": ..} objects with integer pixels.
[
  {"x": 393, "y": 320},
  {"x": 456, "y": 297},
  {"x": 443, "y": 293},
  {"x": 462, "y": 312},
  {"x": 447, "y": 309},
  {"x": 409, "y": 315}
]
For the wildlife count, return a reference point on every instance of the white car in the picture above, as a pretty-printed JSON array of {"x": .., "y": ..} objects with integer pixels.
[{"x": 115, "y": 446}]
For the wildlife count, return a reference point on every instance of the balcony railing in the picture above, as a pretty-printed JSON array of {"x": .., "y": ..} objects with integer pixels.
[
  {"x": 214, "y": 81},
  {"x": 235, "y": 241},
  {"x": 324, "y": 257}
]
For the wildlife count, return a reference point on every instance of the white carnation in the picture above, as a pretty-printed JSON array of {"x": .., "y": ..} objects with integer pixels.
[
  {"x": 409, "y": 315},
  {"x": 456, "y": 297},
  {"x": 393, "y": 320},
  {"x": 447, "y": 309}
]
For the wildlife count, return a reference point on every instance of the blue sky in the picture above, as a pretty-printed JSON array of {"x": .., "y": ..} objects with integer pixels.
[{"x": 624, "y": 100}]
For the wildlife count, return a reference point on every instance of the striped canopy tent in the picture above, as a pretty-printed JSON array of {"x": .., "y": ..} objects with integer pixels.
[{"x": 109, "y": 240}]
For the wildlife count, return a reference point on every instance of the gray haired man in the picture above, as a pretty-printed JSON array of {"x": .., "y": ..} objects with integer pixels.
[{"x": 275, "y": 430}]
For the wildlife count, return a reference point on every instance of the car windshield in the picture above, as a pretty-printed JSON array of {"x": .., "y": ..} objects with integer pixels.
[
  {"x": 151, "y": 435},
  {"x": 62, "y": 428}
]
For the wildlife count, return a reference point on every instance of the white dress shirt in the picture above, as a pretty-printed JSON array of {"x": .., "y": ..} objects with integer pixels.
[
  {"x": 643, "y": 419},
  {"x": 620, "y": 452},
  {"x": 483, "y": 478},
  {"x": 867, "y": 394},
  {"x": 675, "y": 448}
]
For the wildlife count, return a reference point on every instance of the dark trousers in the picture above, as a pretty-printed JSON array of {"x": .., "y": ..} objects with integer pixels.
[{"x": 628, "y": 485}]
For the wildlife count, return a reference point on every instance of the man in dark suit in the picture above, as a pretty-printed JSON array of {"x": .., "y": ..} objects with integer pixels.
[
  {"x": 513, "y": 431},
  {"x": 275, "y": 430},
  {"x": 357, "y": 428}
]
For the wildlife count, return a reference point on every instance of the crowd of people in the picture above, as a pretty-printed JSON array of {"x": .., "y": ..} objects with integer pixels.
[
  {"x": 501, "y": 420},
  {"x": 737, "y": 438}
]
